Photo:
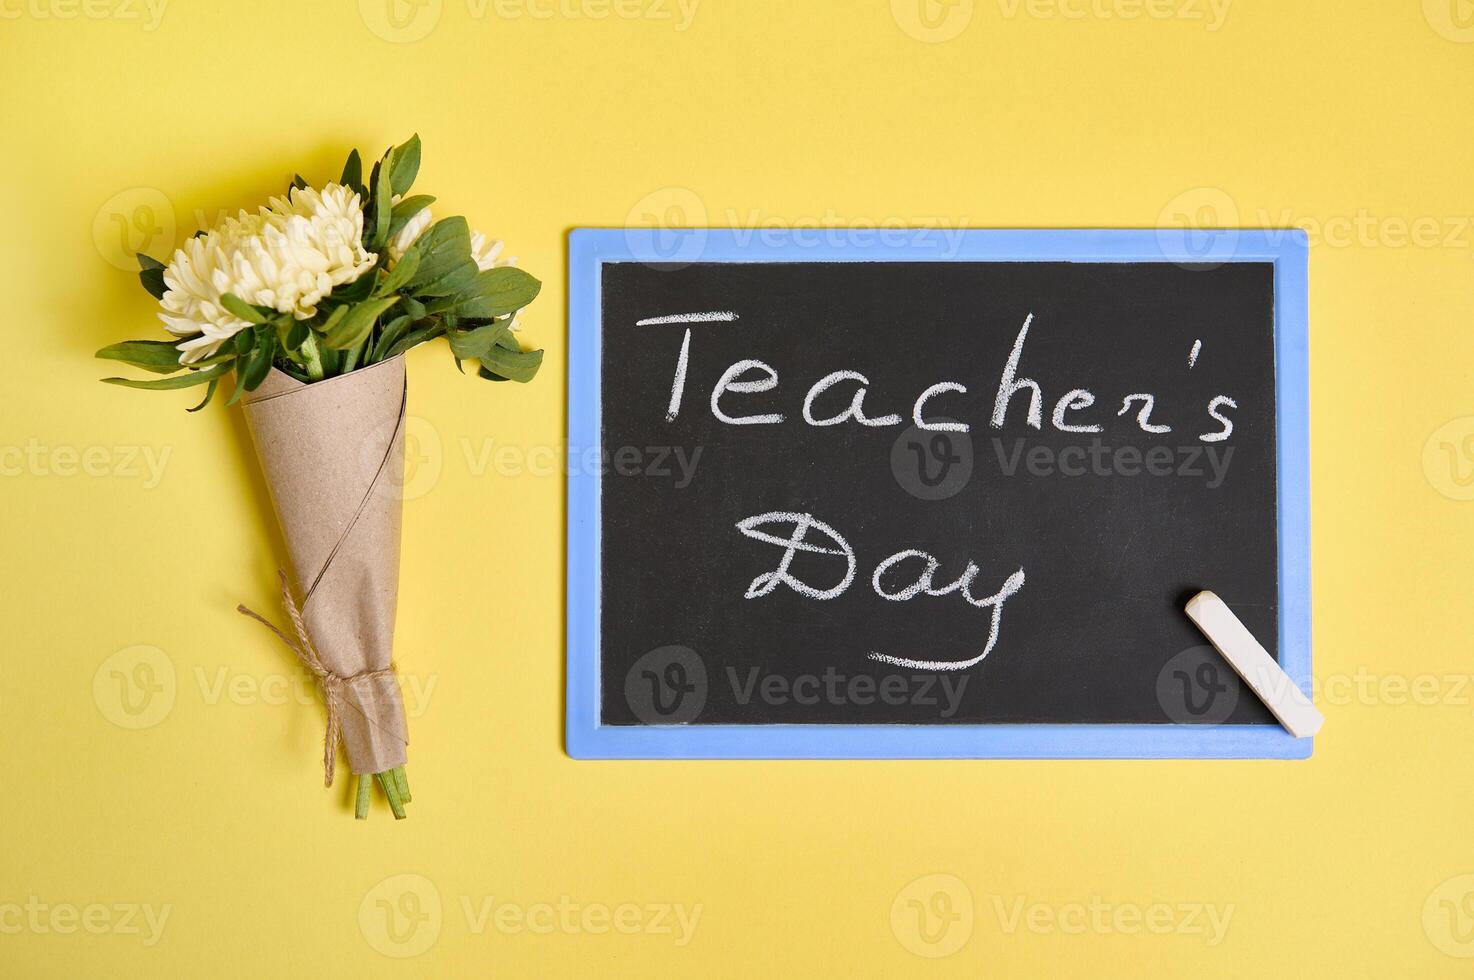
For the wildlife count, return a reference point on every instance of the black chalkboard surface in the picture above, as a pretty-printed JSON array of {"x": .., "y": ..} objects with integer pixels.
[{"x": 780, "y": 543}]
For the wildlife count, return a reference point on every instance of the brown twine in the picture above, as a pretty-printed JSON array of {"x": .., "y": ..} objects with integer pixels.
[{"x": 331, "y": 684}]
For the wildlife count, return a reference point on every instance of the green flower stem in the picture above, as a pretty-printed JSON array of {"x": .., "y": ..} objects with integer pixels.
[
  {"x": 395, "y": 786},
  {"x": 391, "y": 790},
  {"x": 314, "y": 359},
  {"x": 361, "y": 807}
]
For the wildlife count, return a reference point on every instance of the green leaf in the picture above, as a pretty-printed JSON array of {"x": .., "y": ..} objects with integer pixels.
[
  {"x": 153, "y": 281},
  {"x": 240, "y": 381},
  {"x": 226, "y": 353},
  {"x": 293, "y": 370},
  {"x": 298, "y": 182},
  {"x": 406, "y": 164},
  {"x": 370, "y": 223},
  {"x": 446, "y": 266},
  {"x": 352, "y": 171},
  {"x": 383, "y": 207},
  {"x": 406, "y": 209},
  {"x": 260, "y": 363},
  {"x": 413, "y": 308},
  {"x": 188, "y": 380},
  {"x": 352, "y": 328},
  {"x": 331, "y": 359},
  {"x": 415, "y": 338},
  {"x": 209, "y": 393},
  {"x": 515, "y": 365},
  {"x": 151, "y": 274},
  {"x": 244, "y": 341},
  {"x": 352, "y": 354},
  {"x": 392, "y": 332},
  {"x": 402, "y": 273},
  {"x": 296, "y": 335},
  {"x": 334, "y": 318},
  {"x": 496, "y": 292},
  {"x": 241, "y": 308},
  {"x": 475, "y": 343},
  {"x": 158, "y": 356},
  {"x": 447, "y": 286},
  {"x": 360, "y": 288}
]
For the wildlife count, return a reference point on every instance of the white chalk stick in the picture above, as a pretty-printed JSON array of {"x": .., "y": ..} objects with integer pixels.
[{"x": 1254, "y": 664}]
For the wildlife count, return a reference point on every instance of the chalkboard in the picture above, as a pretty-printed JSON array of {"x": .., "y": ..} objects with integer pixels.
[{"x": 861, "y": 497}]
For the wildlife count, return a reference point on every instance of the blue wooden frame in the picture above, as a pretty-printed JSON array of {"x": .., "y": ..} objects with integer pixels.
[{"x": 589, "y": 248}]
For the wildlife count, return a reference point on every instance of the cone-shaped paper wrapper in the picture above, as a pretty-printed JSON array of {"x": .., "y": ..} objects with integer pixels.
[{"x": 333, "y": 455}]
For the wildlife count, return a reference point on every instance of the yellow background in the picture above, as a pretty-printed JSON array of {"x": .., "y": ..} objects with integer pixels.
[{"x": 1352, "y": 119}]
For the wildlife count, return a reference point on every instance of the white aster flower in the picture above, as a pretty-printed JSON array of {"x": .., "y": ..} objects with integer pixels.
[
  {"x": 486, "y": 251},
  {"x": 287, "y": 256},
  {"x": 408, "y": 234}
]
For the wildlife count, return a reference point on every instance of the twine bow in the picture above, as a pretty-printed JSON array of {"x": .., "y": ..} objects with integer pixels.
[{"x": 331, "y": 684}]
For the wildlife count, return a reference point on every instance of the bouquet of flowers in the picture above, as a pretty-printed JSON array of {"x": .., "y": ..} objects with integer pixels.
[{"x": 309, "y": 303}]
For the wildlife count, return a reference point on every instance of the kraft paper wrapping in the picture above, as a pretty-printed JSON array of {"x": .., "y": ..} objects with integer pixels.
[{"x": 333, "y": 456}]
